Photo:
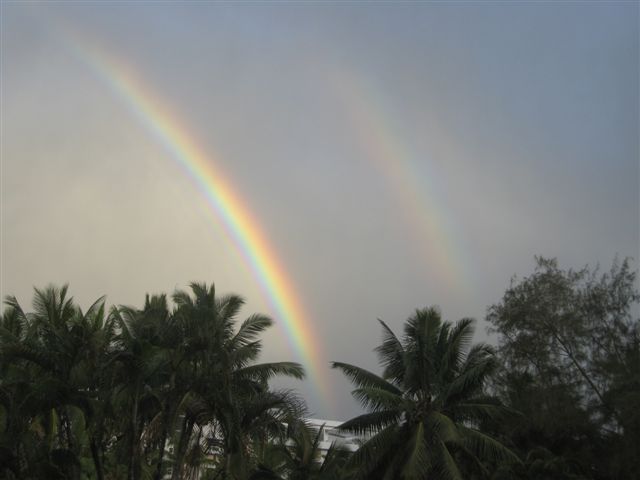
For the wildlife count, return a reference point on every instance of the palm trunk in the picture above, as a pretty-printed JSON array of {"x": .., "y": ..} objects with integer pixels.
[
  {"x": 133, "y": 444},
  {"x": 230, "y": 451},
  {"x": 168, "y": 421},
  {"x": 185, "y": 435},
  {"x": 97, "y": 461},
  {"x": 71, "y": 444},
  {"x": 163, "y": 443}
]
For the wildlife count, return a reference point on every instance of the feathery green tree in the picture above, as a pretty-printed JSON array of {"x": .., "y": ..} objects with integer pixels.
[
  {"x": 136, "y": 393},
  {"x": 569, "y": 345}
]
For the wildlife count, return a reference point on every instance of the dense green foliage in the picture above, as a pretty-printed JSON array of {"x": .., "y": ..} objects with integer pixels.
[
  {"x": 570, "y": 353},
  {"x": 173, "y": 390},
  {"x": 136, "y": 393}
]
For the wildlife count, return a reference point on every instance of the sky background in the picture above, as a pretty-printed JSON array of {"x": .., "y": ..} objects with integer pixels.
[{"x": 395, "y": 155}]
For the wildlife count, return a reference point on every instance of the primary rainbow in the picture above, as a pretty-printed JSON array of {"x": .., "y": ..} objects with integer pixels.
[{"x": 225, "y": 203}]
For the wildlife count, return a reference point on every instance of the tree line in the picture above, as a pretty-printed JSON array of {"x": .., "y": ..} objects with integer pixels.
[{"x": 175, "y": 390}]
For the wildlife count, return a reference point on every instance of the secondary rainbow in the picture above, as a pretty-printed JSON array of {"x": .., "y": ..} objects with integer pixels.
[
  {"x": 225, "y": 203},
  {"x": 412, "y": 183}
]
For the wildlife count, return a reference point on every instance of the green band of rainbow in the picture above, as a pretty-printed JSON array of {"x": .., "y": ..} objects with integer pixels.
[
  {"x": 226, "y": 205},
  {"x": 415, "y": 188}
]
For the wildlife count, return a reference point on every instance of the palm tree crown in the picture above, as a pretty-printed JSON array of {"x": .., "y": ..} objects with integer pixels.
[{"x": 425, "y": 410}]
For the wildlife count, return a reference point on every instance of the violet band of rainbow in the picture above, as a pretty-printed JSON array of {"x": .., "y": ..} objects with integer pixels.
[
  {"x": 225, "y": 204},
  {"x": 415, "y": 188}
]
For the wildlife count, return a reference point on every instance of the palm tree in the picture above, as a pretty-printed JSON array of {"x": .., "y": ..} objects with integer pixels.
[
  {"x": 51, "y": 357},
  {"x": 141, "y": 369},
  {"x": 227, "y": 392},
  {"x": 425, "y": 409}
]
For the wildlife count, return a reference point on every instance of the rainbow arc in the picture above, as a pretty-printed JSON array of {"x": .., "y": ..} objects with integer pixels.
[{"x": 225, "y": 203}]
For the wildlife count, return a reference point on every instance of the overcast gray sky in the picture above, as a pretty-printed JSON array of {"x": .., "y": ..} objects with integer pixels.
[{"x": 395, "y": 155}]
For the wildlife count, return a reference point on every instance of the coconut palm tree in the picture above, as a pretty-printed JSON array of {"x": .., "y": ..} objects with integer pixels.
[
  {"x": 51, "y": 359},
  {"x": 228, "y": 394},
  {"x": 141, "y": 367},
  {"x": 425, "y": 409}
]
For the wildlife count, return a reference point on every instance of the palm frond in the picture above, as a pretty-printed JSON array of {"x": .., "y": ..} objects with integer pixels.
[
  {"x": 470, "y": 381},
  {"x": 420, "y": 341},
  {"x": 457, "y": 344},
  {"x": 228, "y": 307},
  {"x": 485, "y": 447},
  {"x": 479, "y": 353},
  {"x": 363, "y": 378},
  {"x": 447, "y": 468},
  {"x": 334, "y": 458},
  {"x": 482, "y": 408},
  {"x": 182, "y": 299},
  {"x": 96, "y": 308},
  {"x": 201, "y": 293},
  {"x": 442, "y": 427},
  {"x": 31, "y": 352},
  {"x": 251, "y": 328},
  {"x": 375, "y": 451},
  {"x": 245, "y": 353},
  {"x": 417, "y": 463},
  {"x": 391, "y": 355},
  {"x": 266, "y": 371},
  {"x": 372, "y": 398},
  {"x": 373, "y": 422},
  {"x": 53, "y": 306},
  {"x": 19, "y": 319},
  {"x": 125, "y": 318}
]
